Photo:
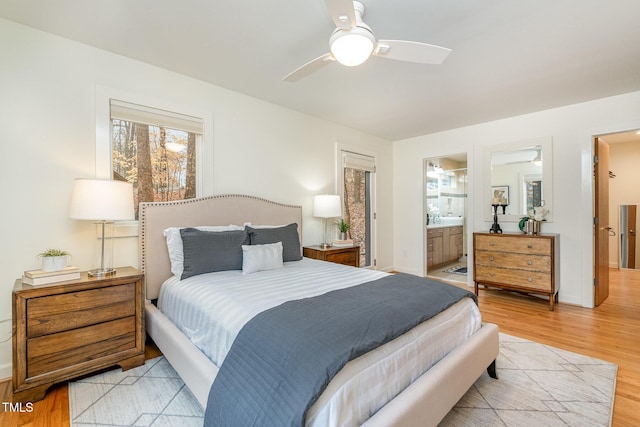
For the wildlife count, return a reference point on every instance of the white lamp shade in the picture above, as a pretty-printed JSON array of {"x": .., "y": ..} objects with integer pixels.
[
  {"x": 327, "y": 206},
  {"x": 102, "y": 200}
]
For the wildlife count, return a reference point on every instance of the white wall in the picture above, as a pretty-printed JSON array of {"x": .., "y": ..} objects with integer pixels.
[
  {"x": 47, "y": 131},
  {"x": 572, "y": 128}
]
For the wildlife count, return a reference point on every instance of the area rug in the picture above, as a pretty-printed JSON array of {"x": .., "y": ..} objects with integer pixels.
[
  {"x": 456, "y": 270},
  {"x": 538, "y": 385}
]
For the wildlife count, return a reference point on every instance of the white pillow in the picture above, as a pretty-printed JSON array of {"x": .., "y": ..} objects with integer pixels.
[
  {"x": 174, "y": 243},
  {"x": 261, "y": 257},
  {"x": 248, "y": 224}
]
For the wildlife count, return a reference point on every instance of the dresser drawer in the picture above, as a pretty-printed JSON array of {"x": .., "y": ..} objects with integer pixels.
[
  {"x": 54, "y": 352},
  {"x": 513, "y": 244},
  {"x": 56, "y": 313},
  {"x": 526, "y": 279},
  {"x": 512, "y": 260}
]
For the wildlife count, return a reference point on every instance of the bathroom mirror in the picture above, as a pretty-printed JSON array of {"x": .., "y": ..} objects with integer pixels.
[{"x": 518, "y": 174}]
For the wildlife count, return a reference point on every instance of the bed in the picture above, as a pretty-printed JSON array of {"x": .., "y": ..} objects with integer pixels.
[{"x": 425, "y": 401}]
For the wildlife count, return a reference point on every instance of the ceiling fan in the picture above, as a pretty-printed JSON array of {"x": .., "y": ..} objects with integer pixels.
[{"x": 353, "y": 42}]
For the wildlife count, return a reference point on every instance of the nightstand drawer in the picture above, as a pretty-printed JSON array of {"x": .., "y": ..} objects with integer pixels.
[
  {"x": 53, "y": 352},
  {"x": 56, "y": 313},
  {"x": 346, "y": 258}
]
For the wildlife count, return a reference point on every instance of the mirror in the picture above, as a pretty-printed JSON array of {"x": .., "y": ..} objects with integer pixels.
[
  {"x": 627, "y": 231},
  {"x": 519, "y": 175}
]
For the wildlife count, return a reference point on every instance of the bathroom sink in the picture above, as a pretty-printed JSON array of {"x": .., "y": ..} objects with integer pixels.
[{"x": 450, "y": 220}]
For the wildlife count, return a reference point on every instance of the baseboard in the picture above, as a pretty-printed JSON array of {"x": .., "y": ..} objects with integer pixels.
[{"x": 5, "y": 372}]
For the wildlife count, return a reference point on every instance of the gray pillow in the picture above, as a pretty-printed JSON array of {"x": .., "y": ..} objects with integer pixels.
[
  {"x": 208, "y": 251},
  {"x": 287, "y": 234}
]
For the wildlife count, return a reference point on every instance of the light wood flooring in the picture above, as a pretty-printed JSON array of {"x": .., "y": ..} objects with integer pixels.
[{"x": 610, "y": 332}]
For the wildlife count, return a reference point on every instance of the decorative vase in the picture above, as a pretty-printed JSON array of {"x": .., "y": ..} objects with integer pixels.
[
  {"x": 532, "y": 227},
  {"x": 54, "y": 263}
]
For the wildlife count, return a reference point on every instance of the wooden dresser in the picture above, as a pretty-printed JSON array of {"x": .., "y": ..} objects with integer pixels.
[
  {"x": 68, "y": 329},
  {"x": 347, "y": 256},
  {"x": 518, "y": 262}
]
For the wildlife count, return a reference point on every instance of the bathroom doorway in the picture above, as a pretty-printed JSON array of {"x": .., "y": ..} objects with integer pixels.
[{"x": 445, "y": 217}]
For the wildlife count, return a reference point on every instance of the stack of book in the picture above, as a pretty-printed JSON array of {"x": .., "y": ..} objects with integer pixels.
[
  {"x": 342, "y": 243},
  {"x": 40, "y": 277}
]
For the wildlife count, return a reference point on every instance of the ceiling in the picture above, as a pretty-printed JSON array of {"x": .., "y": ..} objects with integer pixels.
[{"x": 508, "y": 57}]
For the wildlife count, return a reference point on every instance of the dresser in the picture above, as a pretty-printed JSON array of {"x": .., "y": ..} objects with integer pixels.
[
  {"x": 68, "y": 329},
  {"x": 347, "y": 256},
  {"x": 518, "y": 262}
]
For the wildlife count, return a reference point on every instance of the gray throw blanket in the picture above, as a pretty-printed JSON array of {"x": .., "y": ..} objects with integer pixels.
[{"x": 284, "y": 357}]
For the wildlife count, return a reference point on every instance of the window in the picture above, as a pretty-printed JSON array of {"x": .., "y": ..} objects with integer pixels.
[
  {"x": 358, "y": 173},
  {"x": 155, "y": 150}
]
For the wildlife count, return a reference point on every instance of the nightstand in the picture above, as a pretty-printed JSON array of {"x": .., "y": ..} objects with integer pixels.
[
  {"x": 69, "y": 329},
  {"x": 347, "y": 256}
]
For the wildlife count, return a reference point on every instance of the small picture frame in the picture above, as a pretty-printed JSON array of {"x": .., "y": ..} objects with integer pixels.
[{"x": 500, "y": 195}]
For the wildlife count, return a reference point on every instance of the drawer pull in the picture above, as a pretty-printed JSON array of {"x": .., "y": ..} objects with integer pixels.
[
  {"x": 529, "y": 262},
  {"x": 529, "y": 279},
  {"x": 529, "y": 246},
  {"x": 491, "y": 243},
  {"x": 491, "y": 274},
  {"x": 490, "y": 258}
]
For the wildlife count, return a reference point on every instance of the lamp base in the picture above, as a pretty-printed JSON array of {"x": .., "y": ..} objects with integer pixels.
[{"x": 100, "y": 272}]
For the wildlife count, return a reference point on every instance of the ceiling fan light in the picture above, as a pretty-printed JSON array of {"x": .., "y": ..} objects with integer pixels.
[{"x": 352, "y": 47}]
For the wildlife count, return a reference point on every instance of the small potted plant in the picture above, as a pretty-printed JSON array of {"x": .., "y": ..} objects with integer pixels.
[
  {"x": 54, "y": 259},
  {"x": 343, "y": 227}
]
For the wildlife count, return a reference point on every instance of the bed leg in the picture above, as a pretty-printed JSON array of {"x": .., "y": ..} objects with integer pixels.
[{"x": 491, "y": 370}]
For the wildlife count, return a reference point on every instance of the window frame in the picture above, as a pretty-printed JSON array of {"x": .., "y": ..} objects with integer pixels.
[{"x": 104, "y": 169}]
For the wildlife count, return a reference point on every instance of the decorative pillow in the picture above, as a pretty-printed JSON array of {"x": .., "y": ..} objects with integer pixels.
[
  {"x": 207, "y": 251},
  {"x": 174, "y": 243},
  {"x": 261, "y": 257},
  {"x": 287, "y": 234}
]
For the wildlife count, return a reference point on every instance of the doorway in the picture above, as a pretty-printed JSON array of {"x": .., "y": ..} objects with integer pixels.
[
  {"x": 445, "y": 217},
  {"x": 357, "y": 180},
  {"x": 611, "y": 240}
]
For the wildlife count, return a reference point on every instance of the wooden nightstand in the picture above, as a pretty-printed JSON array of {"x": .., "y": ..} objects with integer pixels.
[
  {"x": 347, "y": 256},
  {"x": 68, "y": 329}
]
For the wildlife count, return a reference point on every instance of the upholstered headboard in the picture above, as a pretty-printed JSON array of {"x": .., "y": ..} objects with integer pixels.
[{"x": 215, "y": 210}]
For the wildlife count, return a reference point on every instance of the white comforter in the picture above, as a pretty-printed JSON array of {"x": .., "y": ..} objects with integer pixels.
[{"x": 211, "y": 309}]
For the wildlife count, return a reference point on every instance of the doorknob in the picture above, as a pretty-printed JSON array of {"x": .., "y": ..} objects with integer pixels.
[{"x": 610, "y": 230}]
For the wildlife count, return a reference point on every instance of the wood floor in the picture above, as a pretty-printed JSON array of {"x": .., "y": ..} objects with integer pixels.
[{"x": 610, "y": 332}]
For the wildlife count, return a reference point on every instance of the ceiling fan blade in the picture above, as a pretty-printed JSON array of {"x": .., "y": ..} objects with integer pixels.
[
  {"x": 343, "y": 13},
  {"x": 308, "y": 68},
  {"x": 402, "y": 50}
]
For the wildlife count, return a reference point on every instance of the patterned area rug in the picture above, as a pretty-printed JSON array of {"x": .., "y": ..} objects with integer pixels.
[
  {"x": 456, "y": 270},
  {"x": 538, "y": 385}
]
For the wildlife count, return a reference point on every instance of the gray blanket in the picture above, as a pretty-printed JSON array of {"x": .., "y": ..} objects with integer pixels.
[{"x": 283, "y": 358}]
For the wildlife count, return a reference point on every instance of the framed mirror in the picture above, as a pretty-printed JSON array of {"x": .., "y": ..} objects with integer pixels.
[{"x": 518, "y": 174}]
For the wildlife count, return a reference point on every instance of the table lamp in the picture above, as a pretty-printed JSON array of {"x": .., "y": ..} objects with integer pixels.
[
  {"x": 326, "y": 206},
  {"x": 102, "y": 201}
]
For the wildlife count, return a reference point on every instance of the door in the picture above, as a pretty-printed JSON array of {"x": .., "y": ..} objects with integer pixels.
[
  {"x": 631, "y": 226},
  {"x": 358, "y": 189},
  {"x": 631, "y": 236},
  {"x": 601, "y": 222}
]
